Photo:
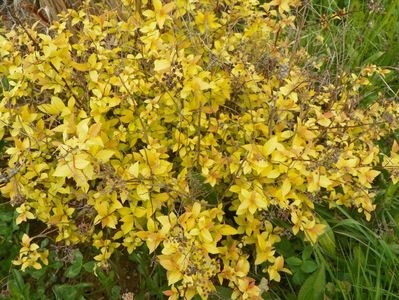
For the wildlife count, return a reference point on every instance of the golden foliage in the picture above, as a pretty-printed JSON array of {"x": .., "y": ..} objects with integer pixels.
[{"x": 122, "y": 123}]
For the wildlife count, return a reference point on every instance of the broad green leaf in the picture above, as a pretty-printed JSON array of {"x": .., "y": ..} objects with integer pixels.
[
  {"x": 308, "y": 266},
  {"x": 307, "y": 252},
  {"x": 69, "y": 291},
  {"x": 299, "y": 277},
  {"x": 313, "y": 288},
  {"x": 294, "y": 261},
  {"x": 74, "y": 269},
  {"x": 222, "y": 292},
  {"x": 89, "y": 266}
]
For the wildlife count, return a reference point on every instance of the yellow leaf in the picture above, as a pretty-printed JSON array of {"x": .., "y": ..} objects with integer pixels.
[
  {"x": 262, "y": 256},
  {"x": 102, "y": 209},
  {"x": 161, "y": 65},
  {"x": 89, "y": 172},
  {"x": 395, "y": 147},
  {"x": 273, "y": 174},
  {"x": 115, "y": 205},
  {"x": 56, "y": 107},
  {"x": 82, "y": 129},
  {"x": 270, "y": 146},
  {"x": 92, "y": 60},
  {"x": 368, "y": 159},
  {"x": 206, "y": 235},
  {"x": 314, "y": 232},
  {"x": 142, "y": 192},
  {"x": 140, "y": 212},
  {"x": 174, "y": 276},
  {"x": 104, "y": 155},
  {"x": 162, "y": 11},
  {"x": 153, "y": 241},
  {"x": 93, "y": 75},
  {"x": 134, "y": 169},
  {"x": 251, "y": 201},
  {"x": 63, "y": 171},
  {"x": 227, "y": 230},
  {"x": 324, "y": 181},
  {"x": 283, "y": 5},
  {"x": 242, "y": 267},
  {"x": 104, "y": 215},
  {"x": 22, "y": 217},
  {"x": 196, "y": 209},
  {"x": 286, "y": 187},
  {"x": 127, "y": 223},
  {"x": 211, "y": 248},
  {"x": 114, "y": 101},
  {"x": 79, "y": 67},
  {"x": 79, "y": 162},
  {"x": 167, "y": 263},
  {"x": 198, "y": 84}
]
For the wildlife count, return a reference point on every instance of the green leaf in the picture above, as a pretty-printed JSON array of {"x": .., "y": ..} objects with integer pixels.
[
  {"x": 14, "y": 290},
  {"x": 5, "y": 83},
  {"x": 44, "y": 243},
  {"x": 222, "y": 292},
  {"x": 2, "y": 146},
  {"x": 17, "y": 286},
  {"x": 308, "y": 266},
  {"x": 307, "y": 252},
  {"x": 6, "y": 216},
  {"x": 299, "y": 277},
  {"x": 115, "y": 292},
  {"x": 56, "y": 265},
  {"x": 294, "y": 261},
  {"x": 313, "y": 288},
  {"x": 368, "y": 99},
  {"x": 74, "y": 269},
  {"x": 37, "y": 274},
  {"x": 5, "y": 230},
  {"x": 107, "y": 280},
  {"x": 69, "y": 291},
  {"x": 373, "y": 58},
  {"x": 18, "y": 279},
  {"x": 89, "y": 266},
  {"x": 327, "y": 241},
  {"x": 140, "y": 296},
  {"x": 286, "y": 247}
]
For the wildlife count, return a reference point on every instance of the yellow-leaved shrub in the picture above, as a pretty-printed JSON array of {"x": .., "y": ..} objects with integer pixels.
[{"x": 190, "y": 126}]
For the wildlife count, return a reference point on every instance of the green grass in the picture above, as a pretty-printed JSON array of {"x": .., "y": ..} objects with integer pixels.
[
  {"x": 360, "y": 259},
  {"x": 365, "y": 264},
  {"x": 347, "y": 35}
]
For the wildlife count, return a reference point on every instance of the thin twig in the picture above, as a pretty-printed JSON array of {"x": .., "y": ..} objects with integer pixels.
[{"x": 199, "y": 135}]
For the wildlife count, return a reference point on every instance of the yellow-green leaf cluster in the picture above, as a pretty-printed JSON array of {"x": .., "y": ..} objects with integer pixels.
[{"x": 190, "y": 127}]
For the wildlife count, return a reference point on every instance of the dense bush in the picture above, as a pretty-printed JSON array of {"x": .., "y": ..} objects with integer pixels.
[{"x": 198, "y": 128}]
